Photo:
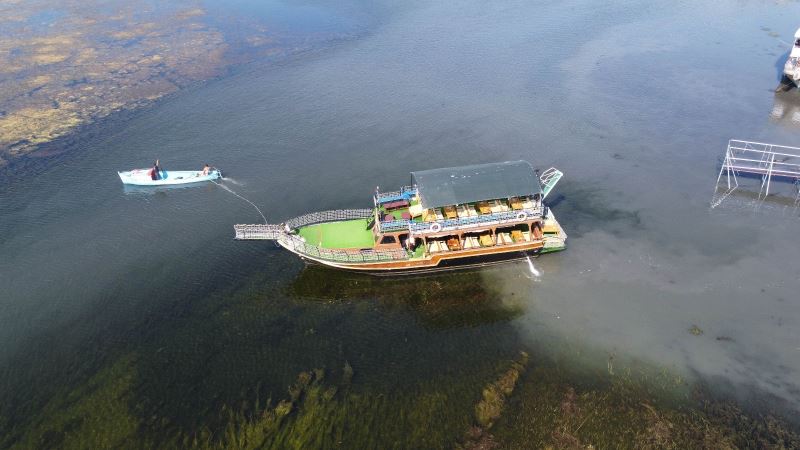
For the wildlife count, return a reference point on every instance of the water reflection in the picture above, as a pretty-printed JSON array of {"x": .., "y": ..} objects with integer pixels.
[
  {"x": 786, "y": 108},
  {"x": 452, "y": 300}
]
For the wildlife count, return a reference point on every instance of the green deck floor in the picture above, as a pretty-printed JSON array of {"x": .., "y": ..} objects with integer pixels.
[{"x": 344, "y": 234}]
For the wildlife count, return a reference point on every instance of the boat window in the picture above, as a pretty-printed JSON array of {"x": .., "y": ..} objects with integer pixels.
[{"x": 388, "y": 240}]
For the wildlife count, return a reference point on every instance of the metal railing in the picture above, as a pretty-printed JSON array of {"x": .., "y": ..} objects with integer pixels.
[
  {"x": 549, "y": 179},
  {"x": 767, "y": 161},
  {"x": 283, "y": 234},
  {"x": 497, "y": 218},
  {"x": 395, "y": 225},
  {"x": 328, "y": 216},
  {"x": 760, "y": 158},
  {"x": 405, "y": 193},
  {"x": 298, "y": 245}
]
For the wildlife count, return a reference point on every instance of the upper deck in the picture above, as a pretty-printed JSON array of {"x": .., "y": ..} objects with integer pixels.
[
  {"x": 420, "y": 221},
  {"x": 463, "y": 198}
]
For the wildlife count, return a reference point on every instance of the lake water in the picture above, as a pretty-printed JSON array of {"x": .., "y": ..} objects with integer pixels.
[{"x": 634, "y": 101}]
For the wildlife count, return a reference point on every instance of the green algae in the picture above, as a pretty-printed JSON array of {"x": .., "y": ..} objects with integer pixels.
[
  {"x": 543, "y": 407},
  {"x": 495, "y": 394},
  {"x": 551, "y": 412},
  {"x": 314, "y": 413},
  {"x": 491, "y": 405}
]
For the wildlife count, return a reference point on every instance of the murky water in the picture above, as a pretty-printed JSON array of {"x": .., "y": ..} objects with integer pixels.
[{"x": 634, "y": 101}]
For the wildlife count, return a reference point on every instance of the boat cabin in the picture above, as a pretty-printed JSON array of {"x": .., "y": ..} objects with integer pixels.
[{"x": 461, "y": 208}]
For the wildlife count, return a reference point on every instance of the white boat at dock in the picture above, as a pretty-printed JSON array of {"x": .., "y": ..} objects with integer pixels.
[{"x": 791, "y": 69}]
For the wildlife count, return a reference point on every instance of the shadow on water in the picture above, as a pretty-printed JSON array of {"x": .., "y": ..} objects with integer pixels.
[
  {"x": 584, "y": 208},
  {"x": 779, "y": 63},
  {"x": 440, "y": 301}
]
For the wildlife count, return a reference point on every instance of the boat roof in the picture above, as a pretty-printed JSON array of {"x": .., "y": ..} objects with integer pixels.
[
  {"x": 795, "y": 53},
  {"x": 797, "y": 33},
  {"x": 467, "y": 184}
]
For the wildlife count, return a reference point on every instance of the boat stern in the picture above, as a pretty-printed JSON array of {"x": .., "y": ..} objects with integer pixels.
[{"x": 555, "y": 238}]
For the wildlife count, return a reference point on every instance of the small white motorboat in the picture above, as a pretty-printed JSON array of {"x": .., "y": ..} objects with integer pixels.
[
  {"x": 791, "y": 69},
  {"x": 143, "y": 177}
]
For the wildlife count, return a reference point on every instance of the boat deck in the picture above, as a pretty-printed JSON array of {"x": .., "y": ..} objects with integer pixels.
[{"x": 343, "y": 234}]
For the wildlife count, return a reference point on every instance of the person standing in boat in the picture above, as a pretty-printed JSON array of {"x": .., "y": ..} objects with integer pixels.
[
  {"x": 206, "y": 169},
  {"x": 155, "y": 172}
]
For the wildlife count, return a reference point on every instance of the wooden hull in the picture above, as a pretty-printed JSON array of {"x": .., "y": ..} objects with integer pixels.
[{"x": 445, "y": 261}]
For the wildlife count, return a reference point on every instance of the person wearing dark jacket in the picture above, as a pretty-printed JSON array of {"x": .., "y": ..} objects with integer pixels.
[{"x": 155, "y": 172}]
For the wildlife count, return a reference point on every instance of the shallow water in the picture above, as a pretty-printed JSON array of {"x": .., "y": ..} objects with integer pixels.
[{"x": 634, "y": 101}]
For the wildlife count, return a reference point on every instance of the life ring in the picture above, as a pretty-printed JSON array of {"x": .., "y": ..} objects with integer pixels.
[
  {"x": 435, "y": 227},
  {"x": 522, "y": 216}
]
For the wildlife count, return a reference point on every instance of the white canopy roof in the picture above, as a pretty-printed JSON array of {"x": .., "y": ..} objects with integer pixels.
[
  {"x": 795, "y": 52},
  {"x": 797, "y": 33}
]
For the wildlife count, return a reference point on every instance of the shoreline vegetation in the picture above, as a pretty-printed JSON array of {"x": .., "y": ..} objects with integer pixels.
[{"x": 69, "y": 65}]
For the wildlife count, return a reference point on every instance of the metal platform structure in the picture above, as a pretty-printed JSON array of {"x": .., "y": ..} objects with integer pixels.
[
  {"x": 761, "y": 160},
  {"x": 549, "y": 178}
]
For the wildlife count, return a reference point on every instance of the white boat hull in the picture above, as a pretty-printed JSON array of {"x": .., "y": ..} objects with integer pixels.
[
  {"x": 141, "y": 177},
  {"x": 791, "y": 69}
]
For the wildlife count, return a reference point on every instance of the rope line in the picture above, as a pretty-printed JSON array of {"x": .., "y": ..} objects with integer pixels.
[{"x": 248, "y": 201}]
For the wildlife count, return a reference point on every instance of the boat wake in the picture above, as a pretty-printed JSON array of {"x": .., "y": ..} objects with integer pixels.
[{"x": 533, "y": 269}]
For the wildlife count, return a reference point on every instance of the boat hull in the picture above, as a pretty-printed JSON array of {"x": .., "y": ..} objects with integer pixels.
[
  {"x": 141, "y": 177},
  {"x": 438, "y": 262}
]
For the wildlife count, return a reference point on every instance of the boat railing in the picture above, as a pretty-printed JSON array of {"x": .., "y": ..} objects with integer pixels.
[
  {"x": 519, "y": 215},
  {"x": 328, "y": 216},
  {"x": 298, "y": 245},
  {"x": 405, "y": 193},
  {"x": 395, "y": 225}
]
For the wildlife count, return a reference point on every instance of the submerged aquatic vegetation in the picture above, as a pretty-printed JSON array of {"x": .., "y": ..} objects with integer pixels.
[
  {"x": 258, "y": 429},
  {"x": 494, "y": 395},
  {"x": 91, "y": 61},
  {"x": 550, "y": 412},
  {"x": 491, "y": 405},
  {"x": 227, "y": 376},
  {"x": 523, "y": 408}
]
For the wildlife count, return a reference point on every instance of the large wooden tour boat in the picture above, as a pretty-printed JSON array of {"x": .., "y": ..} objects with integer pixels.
[{"x": 447, "y": 218}]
